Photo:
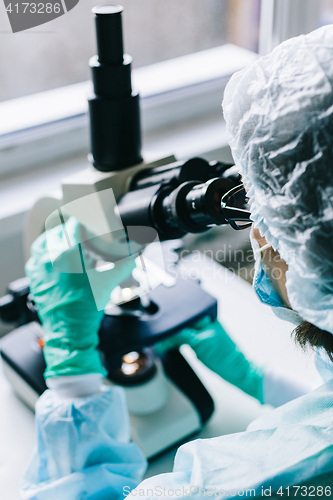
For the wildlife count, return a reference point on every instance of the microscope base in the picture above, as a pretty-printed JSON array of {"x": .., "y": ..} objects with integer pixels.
[
  {"x": 188, "y": 407},
  {"x": 179, "y": 419},
  {"x": 158, "y": 431},
  {"x": 21, "y": 387}
]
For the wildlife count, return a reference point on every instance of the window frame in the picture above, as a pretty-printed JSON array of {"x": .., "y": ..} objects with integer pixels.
[
  {"x": 283, "y": 19},
  {"x": 53, "y": 125}
]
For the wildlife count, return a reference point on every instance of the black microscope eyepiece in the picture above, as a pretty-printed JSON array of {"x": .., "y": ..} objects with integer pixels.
[
  {"x": 109, "y": 33},
  {"x": 114, "y": 108},
  {"x": 179, "y": 198}
]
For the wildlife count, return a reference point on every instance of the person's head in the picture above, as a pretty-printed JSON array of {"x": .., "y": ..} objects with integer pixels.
[
  {"x": 279, "y": 115},
  {"x": 306, "y": 334}
]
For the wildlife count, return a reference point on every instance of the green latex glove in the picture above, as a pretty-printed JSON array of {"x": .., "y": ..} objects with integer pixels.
[
  {"x": 219, "y": 353},
  {"x": 67, "y": 301}
]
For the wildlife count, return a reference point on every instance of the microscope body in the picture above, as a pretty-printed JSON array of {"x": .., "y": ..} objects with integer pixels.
[
  {"x": 169, "y": 403},
  {"x": 84, "y": 183}
]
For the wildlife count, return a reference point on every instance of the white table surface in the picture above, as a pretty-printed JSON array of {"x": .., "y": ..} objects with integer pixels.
[{"x": 263, "y": 337}]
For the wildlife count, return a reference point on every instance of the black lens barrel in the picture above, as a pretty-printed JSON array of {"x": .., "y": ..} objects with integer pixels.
[
  {"x": 203, "y": 202},
  {"x": 192, "y": 207},
  {"x": 114, "y": 108},
  {"x": 175, "y": 210},
  {"x": 178, "y": 198},
  {"x": 109, "y": 33}
]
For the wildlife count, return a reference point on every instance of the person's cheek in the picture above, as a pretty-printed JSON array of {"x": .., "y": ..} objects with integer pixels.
[
  {"x": 255, "y": 234},
  {"x": 276, "y": 269}
]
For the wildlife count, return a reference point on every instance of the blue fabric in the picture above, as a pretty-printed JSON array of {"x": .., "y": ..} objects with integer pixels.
[
  {"x": 287, "y": 446},
  {"x": 83, "y": 449},
  {"x": 268, "y": 296},
  {"x": 84, "y": 453},
  {"x": 264, "y": 290},
  {"x": 324, "y": 364}
]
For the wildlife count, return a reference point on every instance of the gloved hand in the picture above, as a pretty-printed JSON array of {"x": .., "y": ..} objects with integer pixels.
[
  {"x": 65, "y": 300},
  {"x": 219, "y": 353}
]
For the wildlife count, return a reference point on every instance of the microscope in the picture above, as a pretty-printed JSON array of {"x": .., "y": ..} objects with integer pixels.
[{"x": 154, "y": 201}]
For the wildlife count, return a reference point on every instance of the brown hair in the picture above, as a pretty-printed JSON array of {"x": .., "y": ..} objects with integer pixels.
[{"x": 308, "y": 335}]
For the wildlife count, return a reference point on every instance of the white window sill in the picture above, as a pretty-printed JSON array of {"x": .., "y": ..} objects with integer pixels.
[
  {"x": 53, "y": 125},
  {"x": 158, "y": 82},
  {"x": 204, "y": 137},
  {"x": 44, "y": 137}
]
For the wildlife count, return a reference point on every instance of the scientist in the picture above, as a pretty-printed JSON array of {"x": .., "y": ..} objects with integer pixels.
[{"x": 279, "y": 114}]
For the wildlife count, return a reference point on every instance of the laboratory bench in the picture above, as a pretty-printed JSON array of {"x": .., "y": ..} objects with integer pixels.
[{"x": 263, "y": 338}]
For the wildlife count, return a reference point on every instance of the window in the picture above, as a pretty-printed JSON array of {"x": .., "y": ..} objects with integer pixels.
[
  {"x": 57, "y": 53},
  {"x": 283, "y": 19},
  {"x": 325, "y": 12}
]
